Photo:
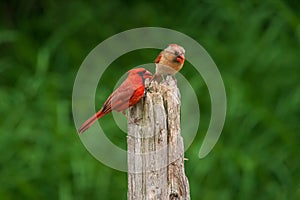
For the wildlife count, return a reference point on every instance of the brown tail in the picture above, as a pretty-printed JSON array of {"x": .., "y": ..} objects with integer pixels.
[{"x": 88, "y": 123}]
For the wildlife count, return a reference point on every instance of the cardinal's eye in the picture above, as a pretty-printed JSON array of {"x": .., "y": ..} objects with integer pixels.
[{"x": 141, "y": 73}]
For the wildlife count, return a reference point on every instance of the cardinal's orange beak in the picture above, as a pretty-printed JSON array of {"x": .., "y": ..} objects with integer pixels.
[{"x": 180, "y": 58}]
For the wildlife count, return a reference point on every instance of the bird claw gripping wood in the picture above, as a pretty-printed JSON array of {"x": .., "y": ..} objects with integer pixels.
[{"x": 147, "y": 87}]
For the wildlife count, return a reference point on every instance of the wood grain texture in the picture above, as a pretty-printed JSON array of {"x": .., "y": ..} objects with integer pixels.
[{"x": 155, "y": 146}]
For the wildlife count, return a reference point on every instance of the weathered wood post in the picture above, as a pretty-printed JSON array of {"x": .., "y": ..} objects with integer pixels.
[{"x": 155, "y": 146}]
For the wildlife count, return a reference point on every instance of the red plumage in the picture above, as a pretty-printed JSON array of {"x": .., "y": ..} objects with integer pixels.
[
  {"x": 157, "y": 59},
  {"x": 127, "y": 94}
]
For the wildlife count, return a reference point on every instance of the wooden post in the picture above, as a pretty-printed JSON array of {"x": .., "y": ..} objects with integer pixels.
[{"x": 155, "y": 146}]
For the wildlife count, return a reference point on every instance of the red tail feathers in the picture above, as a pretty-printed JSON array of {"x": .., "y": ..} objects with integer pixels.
[{"x": 88, "y": 123}]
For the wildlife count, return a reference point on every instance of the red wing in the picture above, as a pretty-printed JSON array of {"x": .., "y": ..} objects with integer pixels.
[
  {"x": 120, "y": 99},
  {"x": 117, "y": 98},
  {"x": 138, "y": 94},
  {"x": 158, "y": 58}
]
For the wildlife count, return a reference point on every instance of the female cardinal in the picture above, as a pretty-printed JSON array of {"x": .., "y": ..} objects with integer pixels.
[
  {"x": 169, "y": 61},
  {"x": 127, "y": 94}
]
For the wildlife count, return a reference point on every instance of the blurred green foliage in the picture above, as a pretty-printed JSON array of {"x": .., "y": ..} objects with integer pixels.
[{"x": 255, "y": 44}]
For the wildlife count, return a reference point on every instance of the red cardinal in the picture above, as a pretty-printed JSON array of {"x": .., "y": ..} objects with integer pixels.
[
  {"x": 127, "y": 94},
  {"x": 169, "y": 61}
]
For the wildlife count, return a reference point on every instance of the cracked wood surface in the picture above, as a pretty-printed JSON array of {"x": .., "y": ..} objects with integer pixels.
[{"x": 155, "y": 146}]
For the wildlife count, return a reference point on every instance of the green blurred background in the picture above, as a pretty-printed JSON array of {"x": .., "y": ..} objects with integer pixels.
[{"x": 255, "y": 44}]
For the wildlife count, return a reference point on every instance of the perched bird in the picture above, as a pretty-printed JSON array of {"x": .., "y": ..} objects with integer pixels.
[
  {"x": 127, "y": 94},
  {"x": 169, "y": 61}
]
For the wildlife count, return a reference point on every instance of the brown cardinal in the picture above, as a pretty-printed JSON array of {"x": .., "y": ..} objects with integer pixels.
[
  {"x": 127, "y": 94},
  {"x": 169, "y": 61}
]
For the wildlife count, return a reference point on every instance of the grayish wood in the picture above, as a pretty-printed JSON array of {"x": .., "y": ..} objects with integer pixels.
[{"x": 155, "y": 146}]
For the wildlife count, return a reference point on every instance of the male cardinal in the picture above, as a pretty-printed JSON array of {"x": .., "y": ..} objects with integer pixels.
[
  {"x": 169, "y": 61},
  {"x": 127, "y": 94}
]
